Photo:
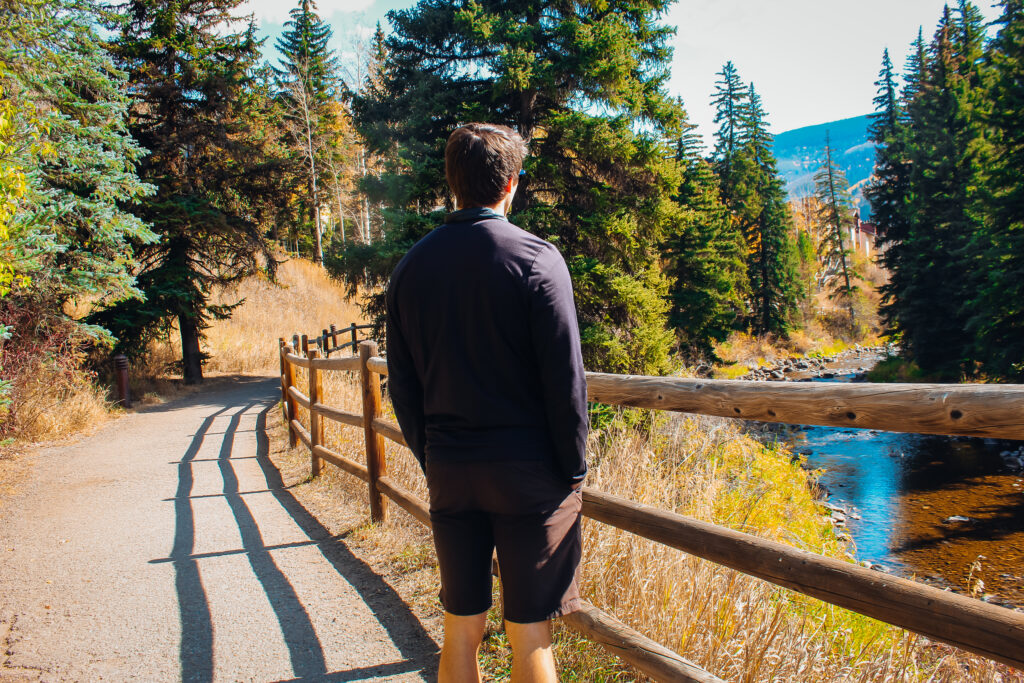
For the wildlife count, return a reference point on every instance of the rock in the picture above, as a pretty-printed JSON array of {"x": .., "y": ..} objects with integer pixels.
[
  {"x": 957, "y": 519},
  {"x": 777, "y": 375}
]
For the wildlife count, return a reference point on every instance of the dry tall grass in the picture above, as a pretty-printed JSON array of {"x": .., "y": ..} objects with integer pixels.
[
  {"x": 302, "y": 301},
  {"x": 740, "y": 628}
]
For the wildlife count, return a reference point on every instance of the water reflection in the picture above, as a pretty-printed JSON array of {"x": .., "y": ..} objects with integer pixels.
[{"x": 926, "y": 506}]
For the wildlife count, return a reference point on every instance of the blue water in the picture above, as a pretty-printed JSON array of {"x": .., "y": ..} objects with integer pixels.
[{"x": 900, "y": 491}]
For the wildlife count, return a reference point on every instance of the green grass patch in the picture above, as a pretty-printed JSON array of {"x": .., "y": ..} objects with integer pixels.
[{"x": 731, "y": 371}]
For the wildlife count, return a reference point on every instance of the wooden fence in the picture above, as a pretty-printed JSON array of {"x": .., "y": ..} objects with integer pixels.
[{"x": 973, "y": 410}]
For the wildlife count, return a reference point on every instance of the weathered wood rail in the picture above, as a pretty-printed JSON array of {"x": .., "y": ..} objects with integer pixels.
[{"x": 974, "y": 410}]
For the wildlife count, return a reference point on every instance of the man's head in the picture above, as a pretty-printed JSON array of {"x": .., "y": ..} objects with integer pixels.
[{"x": 482, "y": 163}]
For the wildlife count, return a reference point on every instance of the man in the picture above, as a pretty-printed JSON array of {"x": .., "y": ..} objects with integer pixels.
[{"x": 487, "y": 381}]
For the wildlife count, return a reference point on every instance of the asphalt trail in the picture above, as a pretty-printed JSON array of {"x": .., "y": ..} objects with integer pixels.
[{"x": 164, "y": 547}]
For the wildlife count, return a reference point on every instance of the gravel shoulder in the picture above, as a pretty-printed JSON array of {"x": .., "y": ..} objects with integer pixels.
[{"x": 166, "y": 546}]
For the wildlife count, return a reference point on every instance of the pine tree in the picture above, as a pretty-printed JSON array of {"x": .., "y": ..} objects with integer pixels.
[
  {"x": 933, "y": 278},
  {"x": 704, "y": 256},
  {"x": 1000, "y": 326},
  {"x": 187, "y": 71},
  {"x": 585, "y": 86},
  {"x": 729, "y": 101},
  {"x": 67, "y": 182},
  {"x": 68, "y": 162},
  {"x": 833, "y": 218},
  {"x": 308, "y": 83},
  {"x": 306, "y": 56},
  {"x": 889, "y": 188},
  {"x": 762, "y": 207}
]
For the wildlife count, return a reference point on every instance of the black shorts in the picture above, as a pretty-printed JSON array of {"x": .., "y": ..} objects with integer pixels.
[{"x": 526, "y": 510}]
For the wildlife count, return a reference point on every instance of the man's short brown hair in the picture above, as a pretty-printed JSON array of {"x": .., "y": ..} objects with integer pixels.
[{"x": 479, "y": 160}]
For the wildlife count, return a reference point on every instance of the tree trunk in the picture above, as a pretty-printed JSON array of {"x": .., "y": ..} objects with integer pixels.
[
  {"x": 191, "y": 356},
  {"x": 318, "y": 249}
]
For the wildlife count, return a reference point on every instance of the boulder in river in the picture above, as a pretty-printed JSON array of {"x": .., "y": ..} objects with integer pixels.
[{"x": 957, "y": 519}]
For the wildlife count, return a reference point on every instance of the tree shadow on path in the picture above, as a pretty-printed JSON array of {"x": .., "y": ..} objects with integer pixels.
[{"x": 418, "y": 650}]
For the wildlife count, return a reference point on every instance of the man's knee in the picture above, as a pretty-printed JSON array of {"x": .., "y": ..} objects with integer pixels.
[
  {"x": 464, "y": 630},
  {"x": 525, "y": 638}
]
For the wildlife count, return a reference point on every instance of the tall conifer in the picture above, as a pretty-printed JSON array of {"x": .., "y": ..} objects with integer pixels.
[
  {"x": 932, "y": 278},
  {"x": 728, "y": 100},
  {"x": 833, "y": 216},
  {"x": 308, "y": 82},
  {"x": 705, "y": 256},
  {"x": 999, "y": 327},
  {"x": 762, "y": 205},
  {"x": 187, "y": 69},
  {"x": 585, "y": 86}
]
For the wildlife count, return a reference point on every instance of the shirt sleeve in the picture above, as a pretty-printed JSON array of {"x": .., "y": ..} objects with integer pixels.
[
  {"x": 556, "y": 342},
  {"x": 404, "y": 383}
]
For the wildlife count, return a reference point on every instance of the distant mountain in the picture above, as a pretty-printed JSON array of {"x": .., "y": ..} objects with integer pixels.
[{"x": 800, "y": 152}]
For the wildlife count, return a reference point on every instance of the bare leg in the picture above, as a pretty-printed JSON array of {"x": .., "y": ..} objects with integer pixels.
[
  {"x": 532, "y": 659},
  {"x": 462, "y": 638}
]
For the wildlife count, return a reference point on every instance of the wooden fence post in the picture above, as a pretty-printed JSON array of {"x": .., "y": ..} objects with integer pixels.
[
  {"x": 375, "y": 461},
  {"x": 334, "y": 336},
  {"x": 355, "y": 340},
  {"x": 324, "y": 337},
  {"x": 284, "y": 387},
  {"x": 316, "y": 424},
  {"x": 291, "y": 408},
  {"x": 305, "y": 345}
]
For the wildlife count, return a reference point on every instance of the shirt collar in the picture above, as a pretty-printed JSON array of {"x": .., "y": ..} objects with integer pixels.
[{"x": 476, "y": 213}]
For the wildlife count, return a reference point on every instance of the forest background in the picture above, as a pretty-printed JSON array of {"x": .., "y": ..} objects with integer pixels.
[
  {"x": 155, "y": 169},
  {"x": 151, "y": 157}
]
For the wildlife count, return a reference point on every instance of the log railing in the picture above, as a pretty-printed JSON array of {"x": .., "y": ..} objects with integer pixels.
[{"x": 974, "y": 410}]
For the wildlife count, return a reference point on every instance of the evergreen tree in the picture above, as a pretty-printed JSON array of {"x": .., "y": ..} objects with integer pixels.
[
  {"x": 833, "y": 217},
  {"x": 933, "y": 277},
  {"x": 999, "y": 327},
  {"x": 585, "y": 86},
  {"x": 67, "y": 171},
  {"x": 187, "y": 71},
  {"x": 306, "y": 56},
  {"x": 729, "y": 101},
  {"x": 705, "y": 256},
  {"x": 67, "y": 162},
  {"x": 308, "y": 83},
  {"x": 889, "y": 189},
  {"x": 761, "y": 205}
]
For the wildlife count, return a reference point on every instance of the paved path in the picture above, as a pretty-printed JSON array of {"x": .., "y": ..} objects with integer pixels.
[{"x": 164, "y": 547}]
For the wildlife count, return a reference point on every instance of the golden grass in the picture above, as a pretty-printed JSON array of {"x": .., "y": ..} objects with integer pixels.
[
  {"x": 740, "y": 628},
  {"x": 53, "y": 403},
  {"x": 303, "y": 301}
]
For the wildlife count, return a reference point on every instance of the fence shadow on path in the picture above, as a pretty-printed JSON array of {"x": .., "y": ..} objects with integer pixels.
[{"x": 418, "y": 650}]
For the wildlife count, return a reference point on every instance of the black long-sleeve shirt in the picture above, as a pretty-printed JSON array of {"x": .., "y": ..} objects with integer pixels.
[{"x": 483, "y": 347}]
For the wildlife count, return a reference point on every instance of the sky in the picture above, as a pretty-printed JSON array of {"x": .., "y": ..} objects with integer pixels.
[{"x": 812, "y": 61}]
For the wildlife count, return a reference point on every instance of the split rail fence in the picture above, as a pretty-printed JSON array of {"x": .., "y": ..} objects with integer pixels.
[{"x": 951, "y": 409}]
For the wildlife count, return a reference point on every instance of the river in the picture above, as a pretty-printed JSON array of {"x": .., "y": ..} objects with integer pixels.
[{"x": 945, "y": 510}]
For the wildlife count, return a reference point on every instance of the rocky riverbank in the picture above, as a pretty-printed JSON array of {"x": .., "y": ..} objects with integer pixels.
[{"x": 852, "y": 365}]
